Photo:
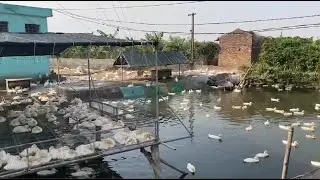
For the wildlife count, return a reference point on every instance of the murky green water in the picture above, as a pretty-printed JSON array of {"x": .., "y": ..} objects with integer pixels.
[{"x": 214, "y": 159}]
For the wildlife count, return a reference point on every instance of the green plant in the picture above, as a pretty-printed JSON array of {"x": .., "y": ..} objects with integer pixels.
[{"x": 292, "y": 59}]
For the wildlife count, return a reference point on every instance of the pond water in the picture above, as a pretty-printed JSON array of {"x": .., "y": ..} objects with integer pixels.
[{"x": 214, "y": 159}]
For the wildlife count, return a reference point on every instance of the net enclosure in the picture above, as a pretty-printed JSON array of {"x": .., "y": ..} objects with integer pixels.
[
  {"x": 26, "y": 44},
  {"x": 136, "y": 59}
]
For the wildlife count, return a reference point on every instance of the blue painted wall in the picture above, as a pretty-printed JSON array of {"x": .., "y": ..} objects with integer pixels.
[{"x": 24, "y": 66}]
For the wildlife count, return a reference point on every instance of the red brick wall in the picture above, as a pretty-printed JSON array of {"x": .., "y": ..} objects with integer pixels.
[{"x": 235, "y": 50}]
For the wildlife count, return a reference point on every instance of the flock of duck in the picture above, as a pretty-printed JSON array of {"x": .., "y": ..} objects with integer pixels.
[
  {"x": 306, "y": 126},
  {"x": 49, "y": 107}
]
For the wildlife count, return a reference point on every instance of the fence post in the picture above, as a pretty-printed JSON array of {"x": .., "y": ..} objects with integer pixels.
[{"x": 287, "y": 154}]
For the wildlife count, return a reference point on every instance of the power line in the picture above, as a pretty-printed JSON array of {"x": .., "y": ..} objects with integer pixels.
[
  {"x": 110, "y": 25},
  {"x": 202, "y": 24},
  {"x": 261, "y": 20},
  {"x": 137, "y": 6},
  {"x": 301, "y": 26},
  {"x": 80, "y": 22}
]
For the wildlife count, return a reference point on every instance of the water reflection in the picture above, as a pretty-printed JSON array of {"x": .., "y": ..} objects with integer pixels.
[{"x": 191, "y": 116}]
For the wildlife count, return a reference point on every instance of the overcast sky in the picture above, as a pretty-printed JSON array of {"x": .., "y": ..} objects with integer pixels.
[{"x": 209, "y": 11}]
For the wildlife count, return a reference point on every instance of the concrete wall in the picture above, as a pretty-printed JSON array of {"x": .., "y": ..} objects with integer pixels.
[
  {"x": 73, "y": 63},
  {"x": 24, "y": 66},
  {"x": 235, "y": 50}
]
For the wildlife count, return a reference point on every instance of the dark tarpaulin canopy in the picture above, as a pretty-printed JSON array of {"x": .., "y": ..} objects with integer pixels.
[
  {"x": 137, "y": 59},
  {"x": 24, "y": 44}
]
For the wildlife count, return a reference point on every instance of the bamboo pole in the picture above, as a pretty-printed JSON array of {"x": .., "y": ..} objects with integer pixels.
[
  {"x": 89, "y": 76},
  {"x": 287, "y": 154}
]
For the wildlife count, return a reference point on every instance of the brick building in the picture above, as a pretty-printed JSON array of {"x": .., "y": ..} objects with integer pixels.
[{"x": 239, "y": 48}]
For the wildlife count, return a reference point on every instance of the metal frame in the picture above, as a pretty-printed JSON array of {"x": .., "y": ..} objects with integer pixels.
[{"x": 117, "y": 149}]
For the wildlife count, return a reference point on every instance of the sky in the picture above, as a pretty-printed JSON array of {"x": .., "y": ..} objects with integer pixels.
[{"x": 208, "y": 11}]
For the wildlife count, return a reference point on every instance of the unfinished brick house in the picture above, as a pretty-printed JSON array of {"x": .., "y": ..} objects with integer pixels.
[{"x": 239, "y": 48}]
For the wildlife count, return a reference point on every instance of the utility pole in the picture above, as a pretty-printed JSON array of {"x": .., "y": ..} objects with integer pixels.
[{"x": 192, "y": 39}]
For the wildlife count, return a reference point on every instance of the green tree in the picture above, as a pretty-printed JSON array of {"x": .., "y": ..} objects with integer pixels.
[
  {"x": 288, "y": 58},
  {"x": 207, "y": 51},
  {"x": 156, "y": 38}
]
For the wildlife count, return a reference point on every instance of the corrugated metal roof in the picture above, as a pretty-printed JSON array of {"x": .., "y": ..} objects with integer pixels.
[
  {"x": 24, "y": 44},
  {"x": 143, "y": 59},
  {"x": 63, "y": 38}
]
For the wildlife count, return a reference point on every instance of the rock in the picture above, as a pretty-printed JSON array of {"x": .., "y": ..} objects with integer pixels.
[{"x": 224, "y": 80}]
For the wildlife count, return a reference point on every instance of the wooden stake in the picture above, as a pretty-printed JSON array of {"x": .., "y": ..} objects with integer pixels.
[
  {"x": 98, "y": 133},
  {"x": 155, "y": 153},
  {"x": 287, "y": 154}
]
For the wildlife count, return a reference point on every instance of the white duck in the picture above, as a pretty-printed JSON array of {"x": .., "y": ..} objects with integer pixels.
[
  {"x": 219, "y": 137},
  {"x": 299, "y": 113},
  {"x": 2, "y": 119},
  {"x": 198, "y": 91},
  {"x": 21, "y": 129},
  {"x": 279, "y": 111},
  {"x": 55, "y": 153},
  {"x": 46, "y": 84},
  {"x": 311, "y": 136},
  {"x": 266, "y": 123},
  {"x": 312, "y": 128},
  {"x": 315, "y": 163},
  {"x": 191, "y": 168},
  {"x": 263, "y": 155},
  {"x": 247, "y": 103},
  {"x": 294, "y": 109},
  {"x": 105, "y": 144},
  {"x": 36, "y": 130},
  {"x": 17, "y": 98},
  {"x": 236, "y": 107},
  {"x": 287, "y": 113},
  {"x": 216, "y": 107},
  {"x": 31, "y": 122},
  {"x": 31, "y": 151},
  {"x": 171, "y": 94},
  {"x": 309, "y": 124},
  {"x": 275, "y": 99},
  {"x": 190, "y": 91},
  {"x": 252, "y": 160},
  {"x": 237, "y": 90},
  {"x": 284, "y": 127},
  {"x": 294, "y": 144},
  {"x": 249, "y": 128},
  {"x": 143, "y": 136},
  {"x": 87, "y": 124},
  {"x": 184, "y": 91},
  {"x": 271, "y": 109},
  {"x": 296, "y": 124},
  {"x": 46, "y": 172},
  {"x": 51, "y": 117}
]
